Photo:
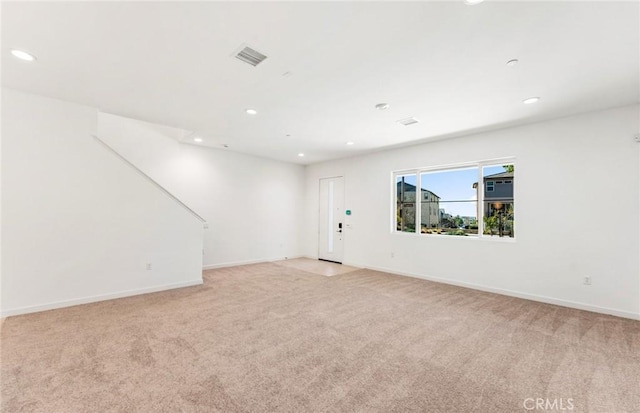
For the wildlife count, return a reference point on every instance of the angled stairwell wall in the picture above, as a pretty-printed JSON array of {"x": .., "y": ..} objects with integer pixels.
[
  {"x": 78, "y": 224},
  {"x": 253, "y": 206}
]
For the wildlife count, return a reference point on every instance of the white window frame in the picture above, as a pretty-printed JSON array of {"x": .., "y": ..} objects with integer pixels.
[{"x": 480, "y": 165}]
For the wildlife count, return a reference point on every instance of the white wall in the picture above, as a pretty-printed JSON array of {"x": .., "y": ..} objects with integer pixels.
[
  {"x": 253, "y": 206},
  {"x": 78, "y": 224},
  {"x": 577, "y": 213}
]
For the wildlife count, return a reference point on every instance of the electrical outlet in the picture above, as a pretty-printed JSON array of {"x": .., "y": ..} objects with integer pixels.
[
  {"x": 393, "y": 255},
  {"x": 586, "y": 280},
  {"x": 148, "y": 266}
]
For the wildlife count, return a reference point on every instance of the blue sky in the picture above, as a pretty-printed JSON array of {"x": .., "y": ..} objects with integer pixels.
[{"x": 454, "y": 185}]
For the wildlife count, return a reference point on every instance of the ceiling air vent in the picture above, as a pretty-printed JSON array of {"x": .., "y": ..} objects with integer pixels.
[
  {"x": 248, "y": 55},
  {"x": 408, "y": 121}
]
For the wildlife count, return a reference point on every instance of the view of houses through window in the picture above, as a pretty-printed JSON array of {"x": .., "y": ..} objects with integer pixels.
[
  {"x": 406, "y": 203},
  {"x": 498, "y": 217},
  {"x": 451, "y": 200}
]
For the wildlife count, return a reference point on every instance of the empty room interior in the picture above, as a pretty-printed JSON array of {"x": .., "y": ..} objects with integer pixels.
[{"x": 320, "y": 206}]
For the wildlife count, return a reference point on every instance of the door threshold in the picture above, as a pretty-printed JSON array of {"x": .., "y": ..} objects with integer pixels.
[{"x": 335, "y": 262}]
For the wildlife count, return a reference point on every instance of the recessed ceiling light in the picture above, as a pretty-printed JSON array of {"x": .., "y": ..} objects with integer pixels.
[
  {"x": 21, "y": 54},
  {"x": 349, "y": 143},
  {"x": 472, "y": 2},
  {"x": 301, "y": 154},
  {"x": 382, "y": 106},
  {"x": 531, "y": 100},
  {"x": 251, "y": 111},
  {"x": 197, "y": 139},
  {"x": 512, "y": 62}
]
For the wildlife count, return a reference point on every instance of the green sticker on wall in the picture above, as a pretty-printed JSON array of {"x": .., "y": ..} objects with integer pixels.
[{"x": 348, "y": 212}]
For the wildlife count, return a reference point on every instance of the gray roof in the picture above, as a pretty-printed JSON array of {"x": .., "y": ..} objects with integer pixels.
[
  {"x": 496, "y": 176},
  {"x": 500, "y": 175},
  {"x": 412, "y": 188}
]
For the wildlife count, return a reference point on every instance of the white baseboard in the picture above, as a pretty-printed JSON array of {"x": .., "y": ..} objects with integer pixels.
[
  {"x": 532, "y": 297},
  {"x": 247, "y": 262},
  {"x": 96, "y": 298}
]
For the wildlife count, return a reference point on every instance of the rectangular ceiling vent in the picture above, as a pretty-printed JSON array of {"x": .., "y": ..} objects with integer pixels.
[
  {"x": 408, "y": 121},
  {"x": 248, "y": 55}
]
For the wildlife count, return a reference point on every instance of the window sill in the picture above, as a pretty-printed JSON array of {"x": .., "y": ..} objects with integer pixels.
[{"x": 486, "y": 238}]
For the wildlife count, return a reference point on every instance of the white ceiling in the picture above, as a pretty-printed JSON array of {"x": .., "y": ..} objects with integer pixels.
[{"x": 442, "y": 62}]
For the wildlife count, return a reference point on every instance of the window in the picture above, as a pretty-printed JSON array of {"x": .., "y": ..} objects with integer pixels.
[
  {"x": 406, "y": 203},
  {"x": 498, "y": 218},
  {"x": 451, "y": 191},
  {"x": 452, "y": 200}
]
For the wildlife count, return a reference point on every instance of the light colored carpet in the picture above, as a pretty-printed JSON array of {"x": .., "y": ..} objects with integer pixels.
[{"x": 270, "y": 338}]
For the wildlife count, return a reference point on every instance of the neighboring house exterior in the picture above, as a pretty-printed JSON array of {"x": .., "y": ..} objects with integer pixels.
[
  {"x": 429, "y": 205},
  {"x": 468, "y": 221},
  {"x": 498, "y": 200},
  {"x": 430, "y": 209},
  {"x": 498, "y": 188},
  {"x": 443, "y": 215}
]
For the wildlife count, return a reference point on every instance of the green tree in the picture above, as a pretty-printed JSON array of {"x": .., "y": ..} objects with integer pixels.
[
  {"x": 508, "y": 168},
  {"x": 490, "y": 224}
]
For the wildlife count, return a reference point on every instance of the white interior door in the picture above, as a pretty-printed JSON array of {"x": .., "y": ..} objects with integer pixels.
[{"x": 330, "y": 243}]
